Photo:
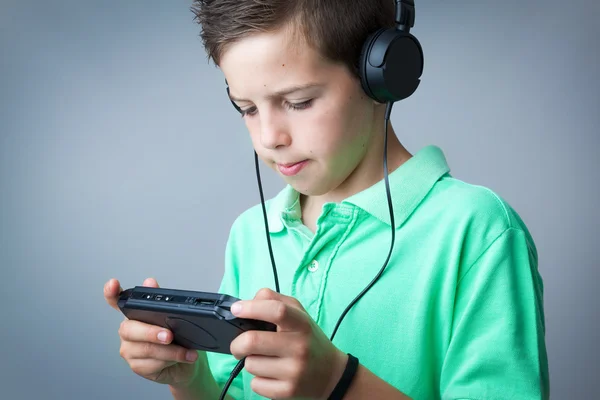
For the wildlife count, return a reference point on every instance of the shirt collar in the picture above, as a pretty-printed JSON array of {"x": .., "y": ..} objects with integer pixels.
[
  {"x": 409, "y": 184},
  {"x": 286, "y": 202}
]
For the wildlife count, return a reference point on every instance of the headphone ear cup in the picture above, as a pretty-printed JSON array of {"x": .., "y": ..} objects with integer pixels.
[
  {"x": 391, "y": 65},
  {"x": 364, "y": 65},
  {"x": 404, "y": 66}
]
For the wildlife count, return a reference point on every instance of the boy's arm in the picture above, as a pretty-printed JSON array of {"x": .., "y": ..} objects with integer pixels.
[
  {"x": 367, "y": 385},
  {"x": 497, "y": 347}
]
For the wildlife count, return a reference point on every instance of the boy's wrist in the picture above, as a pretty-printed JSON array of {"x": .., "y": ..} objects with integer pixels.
[
  {"x": 201, "y": 386},
  {"x": 339, "y": 365}
]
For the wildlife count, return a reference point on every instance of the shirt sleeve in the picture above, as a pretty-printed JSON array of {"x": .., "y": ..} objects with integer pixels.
[
  {"x": 220, "y": 364},
  {"x": 497, "y": 348}
]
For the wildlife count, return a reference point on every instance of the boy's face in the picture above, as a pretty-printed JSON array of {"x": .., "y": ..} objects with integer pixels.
[{"x": 314, "y": 137}]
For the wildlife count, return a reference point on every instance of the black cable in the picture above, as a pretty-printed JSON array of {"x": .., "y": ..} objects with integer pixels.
[
  {"x": 240, "y": 365},
  {"x": 388, "y": 112},
  {"x": 262, "y": 202},
  {"x": 232, "y": 376}
]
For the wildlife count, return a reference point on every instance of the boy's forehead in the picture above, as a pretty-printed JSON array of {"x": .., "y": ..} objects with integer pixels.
[{"x": 270, "y": 62}]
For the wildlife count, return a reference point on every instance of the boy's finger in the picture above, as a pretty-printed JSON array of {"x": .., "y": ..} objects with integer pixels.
[
  {"x": 150, "y": 282},
  {"x": 136, "y": 331},
  {"x": 269, "y": 294},
  {"x": 112, "y": 289},
  {"x": 266, "y": 344},
  {"x": 151, "y": 352},
  {"x": 286, "y": 317}
]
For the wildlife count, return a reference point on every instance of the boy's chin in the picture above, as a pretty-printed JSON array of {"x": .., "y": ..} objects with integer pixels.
[{"x": 309, "y": 188}]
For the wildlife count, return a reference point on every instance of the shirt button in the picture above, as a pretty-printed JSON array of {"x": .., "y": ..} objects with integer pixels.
[{"x": 314, "y": 265}]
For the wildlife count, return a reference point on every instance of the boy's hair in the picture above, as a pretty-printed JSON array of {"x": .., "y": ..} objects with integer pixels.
[{"x": 337, "y": 29}]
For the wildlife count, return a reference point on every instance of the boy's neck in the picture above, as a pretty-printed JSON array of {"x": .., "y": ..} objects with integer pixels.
[{"x": 366, "y": 174}]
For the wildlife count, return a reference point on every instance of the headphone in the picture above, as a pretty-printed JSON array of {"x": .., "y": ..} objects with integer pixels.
[{"x": 391, "y": 60}]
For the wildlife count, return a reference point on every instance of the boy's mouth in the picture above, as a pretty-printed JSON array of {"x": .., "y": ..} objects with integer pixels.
[{"x": 291, "y": 169}]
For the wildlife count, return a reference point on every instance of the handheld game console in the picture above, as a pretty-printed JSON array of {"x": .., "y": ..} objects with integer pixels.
[{"x": 198, "y": 320}]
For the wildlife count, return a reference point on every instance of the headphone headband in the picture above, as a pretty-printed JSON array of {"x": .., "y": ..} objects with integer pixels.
[{"x": 405, "y": 14}]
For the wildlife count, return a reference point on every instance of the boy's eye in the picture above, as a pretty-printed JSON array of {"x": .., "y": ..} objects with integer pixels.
[
  {"x": 292, "y": 106},
  {"x": 299, "y": 106},
  {"x": 248, "y": 111}
]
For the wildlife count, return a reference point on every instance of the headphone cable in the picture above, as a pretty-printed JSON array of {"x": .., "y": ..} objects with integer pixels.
[
  {"x": 388, "y": 111},
  {"x": 240, "y": 365}
]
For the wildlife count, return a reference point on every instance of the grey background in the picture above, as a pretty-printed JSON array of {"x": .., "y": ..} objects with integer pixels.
[{"x": 120, "y": 156}]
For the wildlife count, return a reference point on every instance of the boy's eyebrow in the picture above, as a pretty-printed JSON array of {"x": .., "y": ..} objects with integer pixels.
[{"x": 283, "y": 92}]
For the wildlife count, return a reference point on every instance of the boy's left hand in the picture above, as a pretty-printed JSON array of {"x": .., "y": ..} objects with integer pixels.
[{"x": 298, "y": 360}]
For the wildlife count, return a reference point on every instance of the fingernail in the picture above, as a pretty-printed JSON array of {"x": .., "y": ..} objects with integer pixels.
[
  {"x": 191, "y": 355},
  {"x": 162, "y": 336},
  {"x": 236, "y": 308}
]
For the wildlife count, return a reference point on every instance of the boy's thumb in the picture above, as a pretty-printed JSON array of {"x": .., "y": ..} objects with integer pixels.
[{"x": 150, "y": 282}]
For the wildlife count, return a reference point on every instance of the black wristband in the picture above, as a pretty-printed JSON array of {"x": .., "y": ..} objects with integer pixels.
[{"x": 344, "y": 383}]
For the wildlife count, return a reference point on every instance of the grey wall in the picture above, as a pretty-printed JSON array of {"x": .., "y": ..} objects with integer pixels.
[{"x": 110, "y": 119}]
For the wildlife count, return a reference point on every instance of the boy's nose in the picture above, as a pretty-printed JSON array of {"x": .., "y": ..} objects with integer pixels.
[{"x": 273, "y": 134}]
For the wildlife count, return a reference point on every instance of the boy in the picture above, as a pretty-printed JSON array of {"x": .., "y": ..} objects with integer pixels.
[{"x": 458, "y": 312}]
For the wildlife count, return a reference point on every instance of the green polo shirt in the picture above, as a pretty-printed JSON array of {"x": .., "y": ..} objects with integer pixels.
[{"x": 458, "y": 312}]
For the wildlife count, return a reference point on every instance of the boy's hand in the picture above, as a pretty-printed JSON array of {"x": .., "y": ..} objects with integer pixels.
[
  {"x": 148, "y": 349},
  {"x": 298, "y": 360}
]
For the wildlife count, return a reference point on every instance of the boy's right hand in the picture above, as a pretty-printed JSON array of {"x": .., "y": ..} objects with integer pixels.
[{"x": 148, "y": 349}]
